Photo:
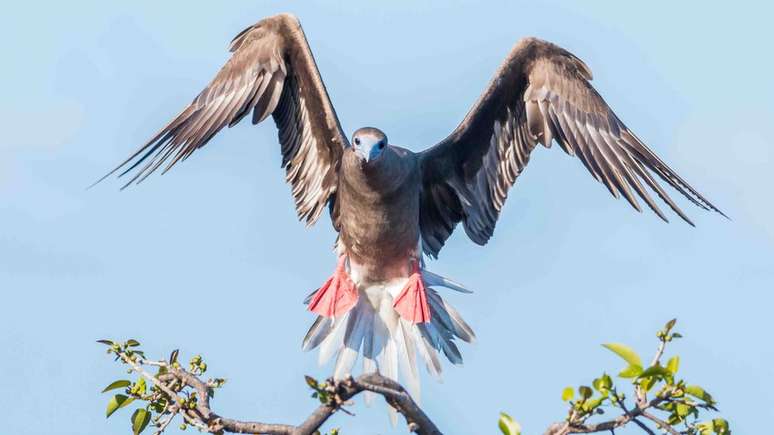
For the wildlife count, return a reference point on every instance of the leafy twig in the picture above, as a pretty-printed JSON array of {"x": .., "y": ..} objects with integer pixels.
[{"x": 177, "y": 391}]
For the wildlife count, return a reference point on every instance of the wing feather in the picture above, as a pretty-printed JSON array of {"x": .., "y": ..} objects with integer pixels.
[
  {"x": 541, "y": 94},
  {"x": 271, "y": 72}
]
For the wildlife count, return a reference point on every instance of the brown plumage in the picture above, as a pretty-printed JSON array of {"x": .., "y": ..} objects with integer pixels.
[
  {"x": 378, "y": 206},
  {"x": 540, "y": 94},
  {"x": 271, "y": 72},
  {"x": 389, "y": 204}
]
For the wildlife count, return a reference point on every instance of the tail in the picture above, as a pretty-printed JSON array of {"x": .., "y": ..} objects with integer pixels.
[{"x": 388, "y": 343}]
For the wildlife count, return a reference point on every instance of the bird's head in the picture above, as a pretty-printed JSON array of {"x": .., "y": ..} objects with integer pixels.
[{"x": 368, "y": 143}]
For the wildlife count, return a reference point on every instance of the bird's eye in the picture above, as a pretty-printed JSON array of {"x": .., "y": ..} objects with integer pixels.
[{"x": 357, "y": 141}]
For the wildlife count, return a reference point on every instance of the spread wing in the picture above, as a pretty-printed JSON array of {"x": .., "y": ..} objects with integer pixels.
[
  {"x": 540, "y": 94},
  {"x": 271, "y": 72}
]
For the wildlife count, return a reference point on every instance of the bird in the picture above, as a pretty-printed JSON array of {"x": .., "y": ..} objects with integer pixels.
[{"x": 392, "y": 208}]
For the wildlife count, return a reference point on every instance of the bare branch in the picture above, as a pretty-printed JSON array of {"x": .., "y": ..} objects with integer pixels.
[
  {"x": 393, "y": 393},
  {"x": 659, "y": 352},
  {"x": 173, "y": 410},
  {"x": 660, "y": 423}
]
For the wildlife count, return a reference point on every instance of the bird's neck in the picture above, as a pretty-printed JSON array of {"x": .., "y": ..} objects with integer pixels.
[{"x": 380, "y": 178}]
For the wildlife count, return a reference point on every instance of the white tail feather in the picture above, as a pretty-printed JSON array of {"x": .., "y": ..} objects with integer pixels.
[
  {"x": 408, "y": 359},
  {"x": 432, "y": 279},
  {"x": 390, "y": 344},
  {"x": 333, "y": 342}
]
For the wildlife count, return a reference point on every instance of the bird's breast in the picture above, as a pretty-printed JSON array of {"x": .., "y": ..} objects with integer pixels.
[{"x": 379, "y": 219}]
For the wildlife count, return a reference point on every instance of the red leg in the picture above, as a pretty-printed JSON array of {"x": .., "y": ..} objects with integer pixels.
[
  {"x": 337, "y": 296},
  {"x": 411, "y": 302}
]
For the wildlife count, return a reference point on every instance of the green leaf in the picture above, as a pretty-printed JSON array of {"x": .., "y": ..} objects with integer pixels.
[
  {"x": 117, "y": 402},
  {"x": 705, "y": 428},
  {"x": 123, "y": 383},
  {"x": 312, "y": 382},
  {"x": 140, "y": 420},
  {"x": 585, "y": 392},
  {"x": 593, "y": 404},
  {"x": 720, "y": 426},
  {"x": 106, "y": 342},
  {"x": 673, "y": 364},
  {"x": 655, "y": 370},
  {"x": 699, "y": 393},
  {"x": 630, "y": 372},
  {"x": 173, "y": 356},
  {"x": 683, "y": 409},
  {"x": 647, "y": 383},
  {"x": 602, "y": 383},
  {"x": 141, "y": 386},
  {"x": 508, "y": 426},
  {"x": 132, "y": 343},
  {"x": 669, "y": 325},
  {"x": 606, "y": 381},
  {"x": 625, "y": 352},
  {"x": 567, "y": 394}
]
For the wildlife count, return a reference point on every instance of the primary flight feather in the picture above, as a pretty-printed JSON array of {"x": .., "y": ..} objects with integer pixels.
[{"x": 390, "y": 205}]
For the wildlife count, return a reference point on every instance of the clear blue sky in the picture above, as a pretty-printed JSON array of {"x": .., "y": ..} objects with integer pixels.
[{"x": 210, "y": 258}]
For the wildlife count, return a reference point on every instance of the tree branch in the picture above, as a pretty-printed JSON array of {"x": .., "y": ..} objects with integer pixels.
[
  {"x": 565, "y": 428},
  {"x": 175, "y": 391},
  {"x": 393, "y": 393},
  {"x": 660, "y": 423},
  {"x": 174, "y": 379}
]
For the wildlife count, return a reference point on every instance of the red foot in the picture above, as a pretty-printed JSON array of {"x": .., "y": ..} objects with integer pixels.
[
  {"x": 411, "y": 303},
  {"x": 337, "y": 296}
]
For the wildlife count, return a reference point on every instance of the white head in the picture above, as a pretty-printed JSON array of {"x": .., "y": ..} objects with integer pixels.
[{"x": 369, "y": 143}]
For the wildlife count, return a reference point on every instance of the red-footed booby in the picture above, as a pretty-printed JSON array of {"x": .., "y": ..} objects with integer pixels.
[{"x": 390, "y": 205}]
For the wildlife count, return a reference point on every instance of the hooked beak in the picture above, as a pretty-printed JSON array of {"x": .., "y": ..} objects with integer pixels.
[{"x": 364, "y": 156}]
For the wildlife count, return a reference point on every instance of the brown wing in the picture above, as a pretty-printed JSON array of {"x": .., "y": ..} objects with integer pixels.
[
  {"x": 271, "y": 71},
  {"x": 541, "y": 93}
]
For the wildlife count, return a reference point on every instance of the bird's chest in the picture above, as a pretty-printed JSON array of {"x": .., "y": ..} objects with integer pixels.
[{"x": 379, "y": 225}]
